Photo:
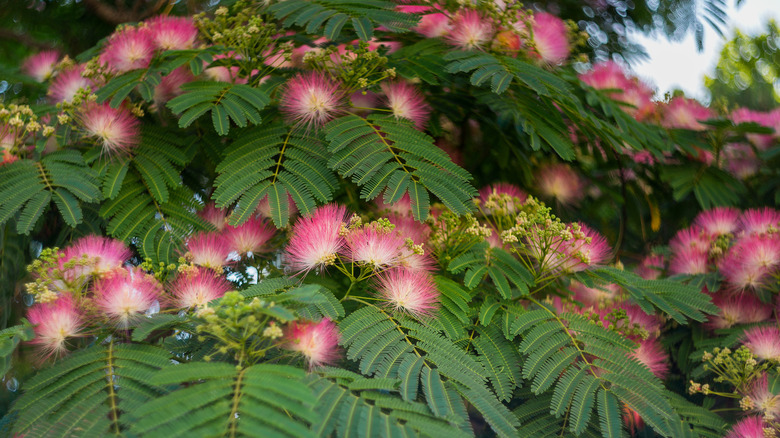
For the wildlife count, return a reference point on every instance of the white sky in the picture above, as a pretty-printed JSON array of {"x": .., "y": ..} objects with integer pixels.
[{"x": 679, "y": 64}]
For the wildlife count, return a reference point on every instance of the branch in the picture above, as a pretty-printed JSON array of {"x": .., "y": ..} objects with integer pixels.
[
  {"x": 116, "y": 15},
  {"x": 25, "y": 39}
]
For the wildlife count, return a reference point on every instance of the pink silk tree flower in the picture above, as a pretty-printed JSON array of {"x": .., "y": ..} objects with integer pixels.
[
  {"x": 763, "y": 342},
  {"x": 691, "y": 237},
  {"x": 470, "y": 30},
  {"x": 67, "y": 83},
  {"x": 718, "y": 221},
  {"x": 117, "y": 130},
  {"x": 759, "y": 221},
  {"x": 689, "y": 260},
  {"x": 316, "y": 240},
  {"x": 516, "y": 194},
  {"x": 209, "y": 250},
  {"x": 172, "y": 33},
  {"x": 560, "y": 182},
  {"x": 318, "y": 342},
  {"x": 406, "y": 102},
  {"x": 408, "y": 291},
  {"x": 250, "y": 237},
  {"x": 651, "y": 267},
  {"x": 125, "y": 295},
  {"x": 215, "y": 216},
  {"x": 54, "y": 323},
  {"x": 589, "y": 249},
  {"x": 96, "y": 255},
  {"x": 311, "y": 99},
  {"x": 41, "y": 65},
  {"x": 372, "y": 247},
  {"x": 744, "y": 308},
  {"x": 749, "y": 427},
  {"x": 550, "y": 37},
  {"x": 652, "y": 355},
  {"x": 760, "y": 400},
  {"x": 197, "y": 288},
  {"x": 686, "y": 114},
  {"x": 128, "y": 49}
]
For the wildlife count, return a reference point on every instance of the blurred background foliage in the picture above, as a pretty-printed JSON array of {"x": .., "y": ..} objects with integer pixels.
[{"x": 747, "y": 71}]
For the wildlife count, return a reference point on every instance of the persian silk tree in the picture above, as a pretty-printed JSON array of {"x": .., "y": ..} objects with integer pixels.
[{"x": 265, "y": 221}]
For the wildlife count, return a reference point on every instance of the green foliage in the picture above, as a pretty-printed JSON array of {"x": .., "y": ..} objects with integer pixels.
[
  {"x": 482, "y": 260},
  {"x": 270, "y": 400},
  {"x": 28, "y": 187},
  {"x": 237, "y": 102},
  {"x": 711, "y": 186},
  {"x": 382, "y": 153},
  {"x": 348, "y": 404},
  {"x": 397, "y": 347},
  {"x": 333, "y": 15},
  {"x": 588, "y": 367},
  {"x": 87, "y": 393},
  {"x": 680, "y": 301},
  {"x": 146, "y": 202},
  {"x": 747, "y": 70},
  {"x": 10, "y": 339},
  {"x": 273, "y": 161}
]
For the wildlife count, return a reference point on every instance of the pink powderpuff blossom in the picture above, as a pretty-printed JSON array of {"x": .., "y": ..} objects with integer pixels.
[
  {"x": 763, "y": 342},
  {"x": 170, "y": 85},
  {"x": 750, "y": 261},
  {"x": 517, "y": 195},
  {"x": 213, "y": 215},
  {"x": 117, "y": 130},
  {"x": 610, "y": 76},
  {"x": 409, "y": 228},
  {"x": 311, "y": 99},
  {"x": 250, "y": 237},
  {"x": 172, "y": 33},
  {"x": 128, "y": 49},
  {"x": 594, "y": 296},
  {"x": 718, "y": 221},
  {"x": 209, "y": 250},
  {"x": 652, "y": 355},
  {"x": 432, "y": 24},
  {"x": 124, "y": 295},
  {"x": 762, "y": 401},
  {"x": 686, "y": 114},
  {"x": 41, "y": 65},
  {"x": 67, "y": 83},
  {"x": 316, "y": 240},
  {"x": 749, "y": 427},
  {"x": 316, "y": 341},
  {"x": 97, "y": 255},
  {"x": 759, "y": 221},
  {"x": 264, "y": 207},
  {"x": 560, "y": 182},
  {"x": 691, "y": 237},
  {"x": 744, "y": 308},
  {"x": 470, "y": 30},
  {"x": 581, "y": 253},
  {"x": 373, "y": 247},
  {"x": 769, "y": 120},
  {"x": 406, "y": 102},
  {"x": 409, "y": 291},
  {"x": 651, "y": 267},
  {"x": 636, "y": 316},
  {"x": 740, "y": 160},
  {"x": 54, "y": 323},
  {"x": 689, "y": 260},
  {"x": 401, "y": 207},
  {"x": 197, "y": 288},
  {"x": 550, "y": 38}
]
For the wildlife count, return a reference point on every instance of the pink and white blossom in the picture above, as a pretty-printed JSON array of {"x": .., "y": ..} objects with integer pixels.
[
  {"x": 316, "y": 341},
  {"x": 408, "y": 291}
]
